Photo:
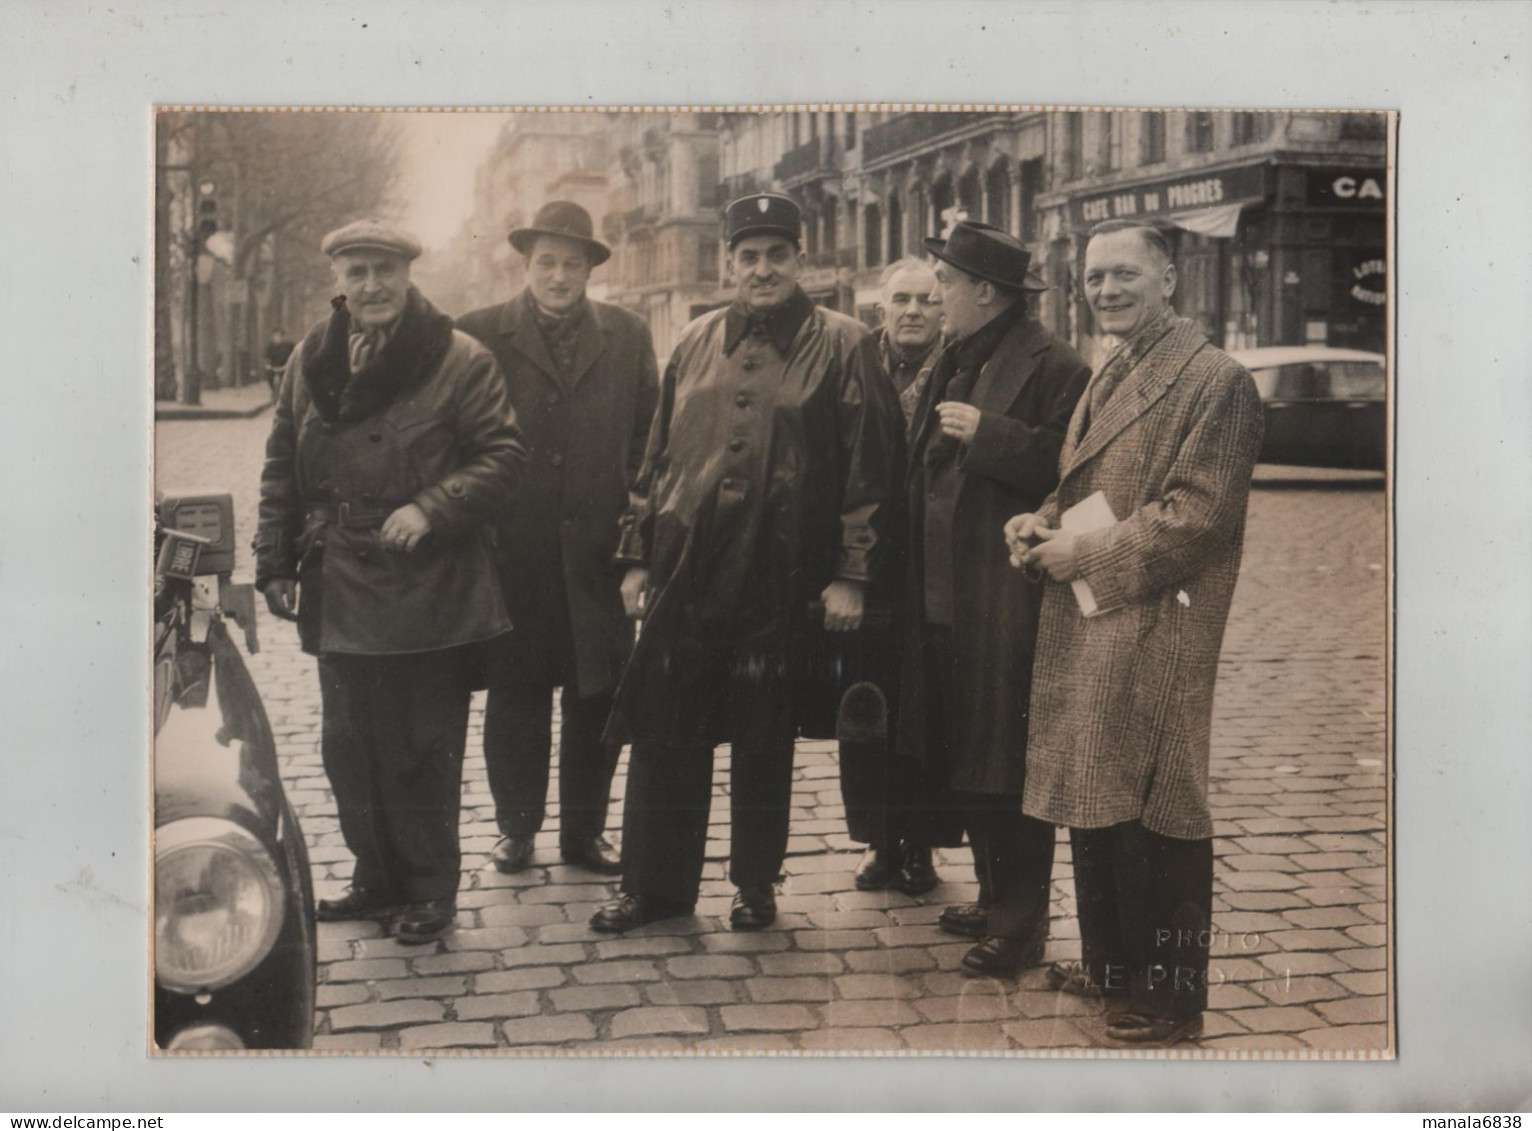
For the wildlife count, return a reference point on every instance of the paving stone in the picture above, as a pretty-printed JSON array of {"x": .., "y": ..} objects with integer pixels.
[
  {"x": 1334, "y": 896},
  {"x": 486, "y": 938},
  {"x": 1219, "y": 1025},
  {"x": 774, "y": 1018},
  {"x": 1370, "y": 934},
  {"x": 1339, "y": 916},
  {"x": 386, "y": 1014},
  {"x": 1278, "y": 845},
  {"x": 453, "y": 962},
  {"x": 497, "y": 1006},
  {"x": 949, "y": 956},
  {"x": 1231, "y": 996},
  {"x": 709, "y": 966},
  {"x": 850, "y": 1040},
  {"x": 1262, "y": 900},
  {"x": 704, "y": 991},
  {"x": 559, "y": 1029},
  {"x": 647, "y": 1021},
  {"x": 1255, "y": 863},
  {"x": 641, "y": 948},
  {"x": 1347, "y": 1011},
  {"x": 444, "y": 986},
  {"x": 1301, "y": 963},
  {"x": 567, "y": 954},
  {"x": 347, "y": 1042},
  {"x": 834, "y": 940},
  {"x": 745, "y": 942},
  {"x": 1343, "y": 842},
  {"x": 1365, "y": 982},
  {"x": 347, "y": 993},
  {"x": 1269, "y": 826},
  {"x": 855, "y": 986},
  {"x": 1309, "y": 940},
  {"x": 1286, "y": 990},
  {"x": 967, "y": 1007},
  {"x": 1276, "y": 1018},
  {"x": 588, "y": 999},
  {"x": 1050, "y": 1034},
  {"x": 975, "y": 1035},
  {"x": 1252, "y": 1042},
  {"x": 627, "y": 970},
  {"x": 1248, "y": 922},
  {"x": 568, "y": 893},
  {"x": 1342, "y": 861},
  {"x": 1347, "y": 1037},
  {"x": 911, "y": 936},
  {"x": 365, "y": 969},
  {"x": 1262, "y": 881},
  {"x": 1035, "y": 1004},
  {"x": 520, "y": 915},
  {"x": 900, "y": 960},
  {"x": 767, "y": 990},
  {"x": 831, "y": 920},
  {"x": 384, "y": 948},
  {"x": 947, "y": 984},
  {"x": 795, "y": 963},
  {"x": 745, "y": 1044},
  {"x": 521, "y": 978}
]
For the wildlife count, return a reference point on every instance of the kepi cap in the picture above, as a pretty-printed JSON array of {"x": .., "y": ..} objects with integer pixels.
[
  {"x": 760, "y": 214},
  {"x": 987, "y": 252},
  {"x": 371, "y": 235},
  {"x": 562, "y": 218}
]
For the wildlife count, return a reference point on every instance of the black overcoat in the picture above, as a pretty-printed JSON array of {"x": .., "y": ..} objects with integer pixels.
[
  {"x": 1025, "y": 395},
  {"x": 558, "y": 535}
]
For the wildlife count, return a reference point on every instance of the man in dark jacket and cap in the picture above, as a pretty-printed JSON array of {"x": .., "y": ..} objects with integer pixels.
[
  {"x": 767, "y": 487},
  {"x": 581, "y": 376},
  {"x": 985, "y": 442},
  {"x": 391, "y": 447}
]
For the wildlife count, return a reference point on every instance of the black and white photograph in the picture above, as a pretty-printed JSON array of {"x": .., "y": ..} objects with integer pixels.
[{"x": 845, "y": 578}]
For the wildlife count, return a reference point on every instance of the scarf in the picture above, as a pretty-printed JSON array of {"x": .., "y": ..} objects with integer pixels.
[{"x": 410, "y": 355}]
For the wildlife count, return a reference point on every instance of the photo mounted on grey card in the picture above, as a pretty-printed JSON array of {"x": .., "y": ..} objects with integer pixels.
[{"x": 850, "y": 579}]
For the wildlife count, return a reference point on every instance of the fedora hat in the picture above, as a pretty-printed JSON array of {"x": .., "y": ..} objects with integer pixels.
[
  {"x": 988, "y": 253},
  {"x": 562, "y": 218}
]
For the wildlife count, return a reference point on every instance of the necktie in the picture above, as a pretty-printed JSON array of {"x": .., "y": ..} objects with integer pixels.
[{"x": 363, "y": 348}]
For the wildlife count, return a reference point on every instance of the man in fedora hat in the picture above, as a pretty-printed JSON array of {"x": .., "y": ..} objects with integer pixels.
[
  {"x": 768, "y": 487},
  {"x": 581, "y": 375},
  {"x": 985, "y": 440},
  {"x": 392, "y": 446}
]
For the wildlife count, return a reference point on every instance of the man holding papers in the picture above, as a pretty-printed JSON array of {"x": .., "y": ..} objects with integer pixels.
[
  {"x": 986, "y": 437},
  {"x": 1145, "y": 530}
]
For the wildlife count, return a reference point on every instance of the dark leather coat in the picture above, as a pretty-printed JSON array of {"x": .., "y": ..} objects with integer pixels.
[
  {"x": 448, "y": 443},
  {"x": 556, "y": 540},
  {"x": 769, "y": 472},
  {"x": 1025, "y": 394}
]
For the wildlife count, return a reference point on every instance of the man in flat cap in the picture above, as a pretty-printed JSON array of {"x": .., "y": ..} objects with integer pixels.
[
  {"x": 392, "y": 446},
  {"x": 1165, "y": 440},
  {"x": 985, "y": 442},
  {"x": 581, "y": 376},
  {"x": 767, "y": 488}
]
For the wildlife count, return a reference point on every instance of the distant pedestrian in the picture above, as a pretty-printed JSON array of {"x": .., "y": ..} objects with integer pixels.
[
  {"x": 767, "y": 485},
  {"x": 391, "y": 448},
  {"x": 1122, "y": 692},
  {"x": 987, "y": 435},
  {"x": 581, "y": 376}
]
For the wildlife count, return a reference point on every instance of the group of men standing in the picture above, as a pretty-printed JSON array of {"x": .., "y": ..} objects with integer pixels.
[{"x": 822, "y": 531}]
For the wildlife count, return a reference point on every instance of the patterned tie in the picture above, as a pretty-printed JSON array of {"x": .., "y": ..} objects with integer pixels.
[{"x": 364, "y": 348}]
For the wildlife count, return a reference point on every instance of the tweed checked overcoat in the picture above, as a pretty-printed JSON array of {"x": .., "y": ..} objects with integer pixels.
[{"x": 1122, "y": 702}]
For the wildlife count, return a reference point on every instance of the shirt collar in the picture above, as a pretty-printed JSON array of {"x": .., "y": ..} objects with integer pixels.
[
  {"x": 978, "y": 346},
  {"x": 781, "y": 324}
]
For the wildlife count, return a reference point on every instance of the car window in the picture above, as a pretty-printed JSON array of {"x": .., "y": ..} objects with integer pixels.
[
  {"x": 1357, "y": 380},
  {"x": 1293, "y": 383}
]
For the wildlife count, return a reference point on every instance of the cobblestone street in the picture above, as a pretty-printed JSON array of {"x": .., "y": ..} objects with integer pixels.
[{"x": 1299, "y": 962}]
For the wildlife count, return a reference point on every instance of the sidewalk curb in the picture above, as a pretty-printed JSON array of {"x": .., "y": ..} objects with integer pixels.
[{"x": 167, "y": 411}]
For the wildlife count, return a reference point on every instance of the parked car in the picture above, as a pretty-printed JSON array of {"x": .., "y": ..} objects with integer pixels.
[
  {"x": 234, "y": 942},
  {"x": 1325, "y": 407}
]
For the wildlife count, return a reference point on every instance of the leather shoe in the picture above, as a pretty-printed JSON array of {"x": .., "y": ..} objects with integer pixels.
[
  {"x": 593, "y": 854},
  {"x": 754, "y": 908},
  {"x": 997, "y": 957},
  {"x": 425, "y": 922},
  {"x": 879, "y": 868},
  {"x": 966, "y": 919},
  {"x": 512, "y": 854},
  {"x": 917, "y": 875},
  {"x": 357, "y": 903},
  {"x": 628, "y": 911},
  {"x": 1072, "y": 978},
  {"x": 1140, "y": 1029}
]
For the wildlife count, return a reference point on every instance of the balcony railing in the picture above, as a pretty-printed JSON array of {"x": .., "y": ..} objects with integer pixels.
[
  {"x": 909, "y": 130},
  {"x": 816, "y": 155},
  {"x": 839, "y": 257}
]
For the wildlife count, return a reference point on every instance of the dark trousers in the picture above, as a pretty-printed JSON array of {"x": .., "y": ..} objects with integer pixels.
[
  {"x": 392, "y": 742},
  {"x": 518, "y": 733},
  {"x": 1145, "y": 904},
  {"x": 670, "y": 785},
  {"x": 1013, "y": 860}
]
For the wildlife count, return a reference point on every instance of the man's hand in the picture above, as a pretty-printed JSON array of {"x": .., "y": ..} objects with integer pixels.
[
  {"x": 403, "y": 530},
  {"x": 843, "y": 606},
  {"x": 282, "y": 598},
  {"x": 635, "y": 583},
  {"x": 959, "y": 420},
  {"x": 1020, "y": 533},
  {"x": 1055, "y": 553}
]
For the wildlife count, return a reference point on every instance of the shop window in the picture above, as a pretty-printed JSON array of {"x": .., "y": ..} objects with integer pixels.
[
  {"x": 1031, "y": 185},
  {"x": 895, "y": 227},
  {"x": 997, "y": 198},
  {"x": 707, "y": 180},
  {"x": 1108, "y": 148},
  {"x": 1074, "y": 145},
  {"x": 1250, "y": 127},
  {"x": 850, "y": 129},
  {"x": 707, "y": 261},
  {"x": 1151, "y": 138},
  {"x": 968, "y": 194},
  {"x": 872, "y": 234},
  {"x": 1199, "y": 132}
]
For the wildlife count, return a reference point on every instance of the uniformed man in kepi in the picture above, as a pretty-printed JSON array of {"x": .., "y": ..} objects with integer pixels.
[
  {"x": 391, "y": 448},
  {"x": 767, "y": 488},
  {"x": 582, "y": 379}
]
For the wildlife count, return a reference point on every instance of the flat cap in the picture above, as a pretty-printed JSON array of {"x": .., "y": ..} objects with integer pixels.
[
  {"x": 371, "y": 235},
  {"x": 760, "y": 214}
]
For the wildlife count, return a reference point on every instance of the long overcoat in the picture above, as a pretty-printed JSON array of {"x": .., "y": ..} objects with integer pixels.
[
  {"x": 764, "y": 479},
  {"x": 447, "y": 441},
  {"x": 1122, "y": 702},
  {"x": 558, "y": 535},
  {"x": 1025, "y": 394}
]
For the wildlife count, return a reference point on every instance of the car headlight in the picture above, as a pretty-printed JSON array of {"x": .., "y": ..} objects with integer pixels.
[{"x": 218, "y": 903}]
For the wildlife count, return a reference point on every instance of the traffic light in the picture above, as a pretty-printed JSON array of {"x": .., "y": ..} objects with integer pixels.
[{"x": 207, "y": 210}]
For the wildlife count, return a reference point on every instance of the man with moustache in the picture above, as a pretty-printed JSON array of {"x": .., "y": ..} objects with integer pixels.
[
  {"x": 986, "y": 439},
  {"x": 581, "y": 376},
  {"x": 392, "y": 446},
  {"x": 1122, "y": 694},
  {"x": 766, "y": 488},
  {"x": 885, "y": 795}
]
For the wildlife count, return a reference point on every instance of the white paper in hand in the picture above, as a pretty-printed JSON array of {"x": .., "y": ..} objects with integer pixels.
[{"x": 1092, "y": 513}]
